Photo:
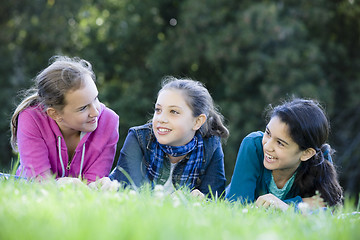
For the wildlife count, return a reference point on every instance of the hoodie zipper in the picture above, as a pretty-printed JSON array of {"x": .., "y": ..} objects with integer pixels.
[
  {"x": 68, "y": 165},
  {"x": 69, "y": 161},
  {"x": 70, "y": 158}
]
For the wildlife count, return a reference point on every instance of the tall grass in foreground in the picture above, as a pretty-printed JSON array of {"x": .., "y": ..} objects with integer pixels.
[{"x": 48, "y": 211}]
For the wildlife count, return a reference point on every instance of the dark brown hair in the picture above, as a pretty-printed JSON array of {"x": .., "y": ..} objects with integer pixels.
[{"x": 309, "y": 128}]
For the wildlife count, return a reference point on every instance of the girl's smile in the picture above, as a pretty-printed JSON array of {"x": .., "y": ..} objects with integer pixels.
[
  {"x": 270, "y": 159},
  {"x": 163, "y": 131},
  {"x": 93, "y": 121}
]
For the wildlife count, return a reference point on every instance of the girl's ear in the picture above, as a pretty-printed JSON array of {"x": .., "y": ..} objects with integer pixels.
[
  {"x": 54, "y": 114},
  {"x": 307, "y": 154},
  {"x": 200, "y": 120}
]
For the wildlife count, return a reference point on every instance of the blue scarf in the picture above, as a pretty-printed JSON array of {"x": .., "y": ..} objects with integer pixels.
[{"x": 191, "y": 171}]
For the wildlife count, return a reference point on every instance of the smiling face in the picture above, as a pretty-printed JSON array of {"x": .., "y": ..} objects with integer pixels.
[
  {"x": 281, "y": 154},
  {"x": 81, "y": 109},
  {"x": 173, "y": 121}
]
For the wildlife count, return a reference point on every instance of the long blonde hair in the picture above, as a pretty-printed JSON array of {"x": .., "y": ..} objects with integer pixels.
[{"x": 51, "y": 85}]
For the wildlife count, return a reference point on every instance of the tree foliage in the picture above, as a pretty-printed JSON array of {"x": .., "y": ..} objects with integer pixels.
[{"x": 248, "y": 54}]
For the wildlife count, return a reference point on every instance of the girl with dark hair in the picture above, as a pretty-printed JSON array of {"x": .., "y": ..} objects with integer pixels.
[
  {"x": 181, "y": 147},
  {"x": 61, "y": 128},
  {"x": 290, "y": 162}
]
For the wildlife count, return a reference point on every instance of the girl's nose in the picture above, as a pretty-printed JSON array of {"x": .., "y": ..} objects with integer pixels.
[
  {"x": 162, "y": 118},
  {"x": 94, "y": 110},
  {"x": 268, "y": 145}
]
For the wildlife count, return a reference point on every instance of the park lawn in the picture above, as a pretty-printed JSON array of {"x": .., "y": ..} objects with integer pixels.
[{"x": 49, "y": 211}]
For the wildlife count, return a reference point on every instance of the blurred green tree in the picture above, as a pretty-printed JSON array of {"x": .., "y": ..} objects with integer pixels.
[{"x": 248, "y": 55}]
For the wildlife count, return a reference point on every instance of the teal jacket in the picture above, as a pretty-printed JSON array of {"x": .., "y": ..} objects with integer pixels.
[{"x": 250, "y": 178}]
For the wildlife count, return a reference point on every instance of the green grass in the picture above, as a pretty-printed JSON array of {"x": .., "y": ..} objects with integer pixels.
[{"x": 48, "y": 211}]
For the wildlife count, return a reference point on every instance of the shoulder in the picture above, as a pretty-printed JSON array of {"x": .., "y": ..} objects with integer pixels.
[
  {"x": 252, "y": 144},
  {"x": 108, "y": 124},
  {"x": 33, "y": 114},
  {"x": 108, "y": 119},
  {"x": 146, "y": 128},
  {"x": 107, "y": 113},
  {"x": 212, "y": 148},
  {"x": 254, "y": 137},
  {"x": 212, "y": 142},
  {"x": 35, "y": 120},
  {"x": 143, "y": 133},
  {"x": 33, "y": 110}
]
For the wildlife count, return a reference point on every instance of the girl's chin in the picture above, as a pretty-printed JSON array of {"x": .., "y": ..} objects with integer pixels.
[
  {"x": 167, "y": 142},
  {"x": 268, "y": 166},
  {"x": 161, "y": 140},
  {"x": 91, "y": 128}
]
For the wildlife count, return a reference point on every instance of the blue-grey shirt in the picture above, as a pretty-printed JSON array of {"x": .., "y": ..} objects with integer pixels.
[
  {"x": 250, "y": 178},
  {"x": 135, "y": 157}
]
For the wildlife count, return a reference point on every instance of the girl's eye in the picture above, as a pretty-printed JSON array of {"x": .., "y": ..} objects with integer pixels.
[
  {"x": 267, "y": 132},
  {"x": 157, "y": 110},
  {"x": 280, "y": 144},
  {"x": 174, "y": 112},
  {"x": 82, "y": 108}
]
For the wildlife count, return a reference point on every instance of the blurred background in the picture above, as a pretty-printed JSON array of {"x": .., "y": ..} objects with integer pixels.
[{"x": 248, "y": 54}]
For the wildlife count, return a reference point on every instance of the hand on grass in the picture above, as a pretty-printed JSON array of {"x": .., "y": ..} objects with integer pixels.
[
  {"x": 47, "y": 175},
  {"x": 197, "y": 193},
  {"x": 314, "y": 202},
  {"x": 269, "y": 200},
  {"x": 69, "y": 180},
  {"x": 105, "y": 184}
]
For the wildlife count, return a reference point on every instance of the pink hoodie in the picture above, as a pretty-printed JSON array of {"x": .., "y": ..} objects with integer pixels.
[{"x": 42, "y": 146}]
